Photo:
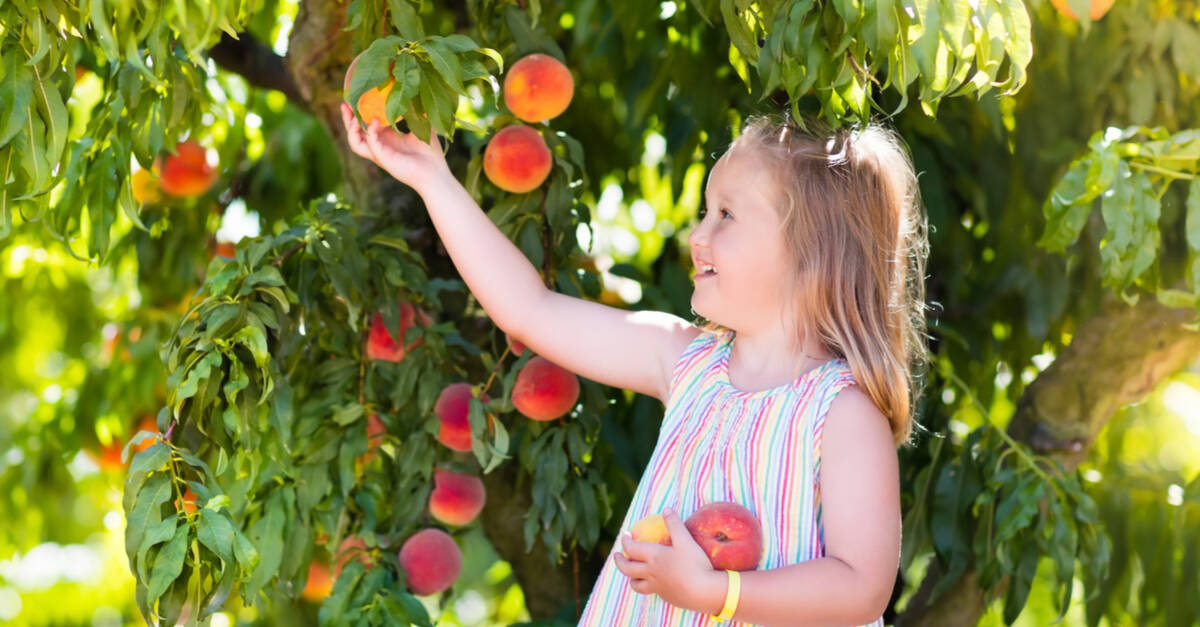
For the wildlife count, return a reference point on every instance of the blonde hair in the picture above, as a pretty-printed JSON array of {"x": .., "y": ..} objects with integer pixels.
[{"x": 852, "y": 220}]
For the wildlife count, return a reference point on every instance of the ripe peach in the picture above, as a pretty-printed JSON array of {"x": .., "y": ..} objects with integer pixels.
[
  {"x": 457, "y": 498},
  {"x": 538, "y": 87},
  {"x": 319, "y": 584},
  {"x": 652, "y": 528},
  {"x": 147, "y": 423},
  {"x": 452, "y": 407},
  {"x": 381, "y": 344},
  {"x": 372, "y": 104},
  {"x": 729, "y": 533},
  {"x": 544, "y": 390},
  {"x": 1097, "y": 9},
  {"x": 517, "y": 159},
  {"x": 189, "y": 502},
  {"x": 224, "y": 250},
  {"x": 145, "y": 187},
  {"x": 351, "y": 548},
  {"x": 376, "y": 430},
  {"x": 431, "y": 561},
  {"x": 108, "y": 457},
  {"x": 187, "y": 172},
  {"x": 518, "y": 347}
]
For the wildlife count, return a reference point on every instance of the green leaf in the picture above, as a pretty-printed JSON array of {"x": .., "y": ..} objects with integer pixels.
[
  {"x": 16, "y": 95},
  {"x": 446, "y": 63},
  {"x": 54, "y": 116},
  {"x": 215, "y": 531},
  {"x": 437, "y": 102},
  {"x": 145, "y": 513},
  {"x": 531, "y": 240},
  {"x": 163, "y": 531},
  {"x": 405, "y": 20},
  {"x": 168, "y": 564}
]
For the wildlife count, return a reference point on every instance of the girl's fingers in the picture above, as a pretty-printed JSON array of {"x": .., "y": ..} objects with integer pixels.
[
  {"x": 354, "y": 134},
  {"x": 373, "y": 139}
]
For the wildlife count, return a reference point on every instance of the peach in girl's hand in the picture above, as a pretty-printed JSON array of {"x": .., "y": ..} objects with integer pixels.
[
  {"x": 652, "y": 528},
  {"x": 730, "y": 535}
]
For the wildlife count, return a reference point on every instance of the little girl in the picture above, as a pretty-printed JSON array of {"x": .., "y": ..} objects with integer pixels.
[{"x": 789, "y": 400}]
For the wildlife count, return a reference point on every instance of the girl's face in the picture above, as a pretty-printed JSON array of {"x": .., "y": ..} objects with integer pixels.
[{"x": 740, "y": 235}]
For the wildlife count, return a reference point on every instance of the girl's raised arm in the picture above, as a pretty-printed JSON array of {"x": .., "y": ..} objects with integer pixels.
[{"x": 631, "y": 350}]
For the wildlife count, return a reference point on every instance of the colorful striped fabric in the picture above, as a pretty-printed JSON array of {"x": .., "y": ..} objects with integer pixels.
[{"x": 717, "y": 443}]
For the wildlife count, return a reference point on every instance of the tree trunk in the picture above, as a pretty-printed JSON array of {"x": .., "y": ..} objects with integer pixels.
[
  {"x": 547, "y": 587},
  {"x": 1117, "y": 357}
]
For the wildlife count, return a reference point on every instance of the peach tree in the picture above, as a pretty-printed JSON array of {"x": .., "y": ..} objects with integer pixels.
[{"x": 332, "y": 411}]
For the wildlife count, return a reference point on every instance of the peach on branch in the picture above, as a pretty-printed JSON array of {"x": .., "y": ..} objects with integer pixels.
[
  {"x": 517, "y": 159},
  {"x": 108, "y": 457},
  {"x": 376, "y": 430},
  {"x": 518, "y": 347},
  {"x": 730, "y": 535},
  {"x": 319, "y": 584},
  {"x": 452, "y": 408},
  {"x": 372, "y": 104},
  {"x": 431, "y": 561},
  {"x": 1096, "y": 9},
  {"x": 187, "y": 172},
  {"x": 147, "y": 423},
  {"x": 544, "y": 390},
  {"x": 381, "y": 344},
  {"x": 145, "y": 187},
  {"x": 351, "y": 548},
  {"x": 188, "y": 505},
  {"x": 456, "y": 498},
  {"x": 538, "y": 87}
]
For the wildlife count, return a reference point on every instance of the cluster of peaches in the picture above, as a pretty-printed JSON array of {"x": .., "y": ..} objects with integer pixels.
[
  {"x": 537, "y": 88},
  {"x": 430, "y": 558}
]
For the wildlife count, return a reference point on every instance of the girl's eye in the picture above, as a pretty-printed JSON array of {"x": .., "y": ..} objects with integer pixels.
[{"x": 726, "y": 213}]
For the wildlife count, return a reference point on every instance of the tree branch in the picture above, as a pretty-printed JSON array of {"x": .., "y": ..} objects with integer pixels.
[
  {"x": 257, "y": 63},
  {"x": 1117, "y": 357}
]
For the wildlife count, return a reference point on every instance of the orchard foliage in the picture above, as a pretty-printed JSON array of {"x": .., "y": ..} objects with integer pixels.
[{"x": 256, "y": 365}]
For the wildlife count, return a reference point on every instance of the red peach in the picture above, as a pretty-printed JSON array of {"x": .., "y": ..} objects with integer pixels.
[
  {"x": 538, "y": 87},
  {"x": 376, "y": 430},
  {"x": 457, "y": 498},
  {"x": 187, "y": 172},
  {"x": 452, "y": 408},
  {"x": 319, "y": 584},
  {"x": 351, "y": 548},
  {"x": 517, "y": 159},
  {"x": 381, "y": 344},
  {"x": 518, "y": 347},
  {"x": 147, "y": 423},
  {"x": 544, "y": 390},
  {"x": 730, "y": 535},
  {"x": 372, "y": 104},
  {"x": 431, "y": 561}
]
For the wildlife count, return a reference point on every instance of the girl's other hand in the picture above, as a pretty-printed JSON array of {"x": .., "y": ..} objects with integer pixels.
[
  {"x": 680, "y": 573},
  {"x": 403, "y": 155}
]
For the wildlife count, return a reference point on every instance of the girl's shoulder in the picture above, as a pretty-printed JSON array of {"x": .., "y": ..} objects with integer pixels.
[{"x": 695, "y": 353}]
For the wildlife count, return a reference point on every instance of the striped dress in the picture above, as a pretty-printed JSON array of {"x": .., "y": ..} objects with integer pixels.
[{"x": 717, "y": 443}]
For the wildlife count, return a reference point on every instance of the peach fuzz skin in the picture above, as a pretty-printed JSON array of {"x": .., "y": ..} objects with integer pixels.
[
  {"x": 544, "y": 390},
  {"x": 517, "y": 159},
  {"x": 538, "y": 87}
]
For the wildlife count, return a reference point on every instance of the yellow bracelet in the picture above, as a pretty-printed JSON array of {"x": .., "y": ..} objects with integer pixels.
[{"x": 731, "y": 597}]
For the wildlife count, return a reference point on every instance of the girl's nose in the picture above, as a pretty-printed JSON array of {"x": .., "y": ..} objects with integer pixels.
[{"x": 698, "y": 238}]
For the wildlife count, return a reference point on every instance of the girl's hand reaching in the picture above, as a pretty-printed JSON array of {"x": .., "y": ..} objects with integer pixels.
[{"x": 403, "y": 155}]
